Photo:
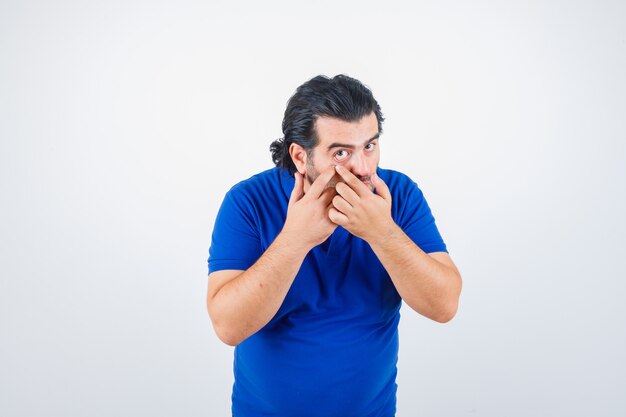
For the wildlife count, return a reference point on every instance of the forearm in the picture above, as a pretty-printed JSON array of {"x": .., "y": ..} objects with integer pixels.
[
  {"x": 248, "y": 302},
  {"x": 426, "y": 285}
]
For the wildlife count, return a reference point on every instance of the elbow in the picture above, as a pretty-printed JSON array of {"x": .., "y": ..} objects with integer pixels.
[
  {"x": 224, "y": 332},
  {"x": 450, "y": 309},
  {"x": 229, "y": 334},
  {"x": 440, "y": 315},
  {"x": 445, "y": 318},
  {"x": 447, "y": 314},
  {"x": 227, "y": 338}
]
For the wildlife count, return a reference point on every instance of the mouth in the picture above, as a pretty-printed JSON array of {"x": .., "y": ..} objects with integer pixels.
[{"x": 367, "y": 181}]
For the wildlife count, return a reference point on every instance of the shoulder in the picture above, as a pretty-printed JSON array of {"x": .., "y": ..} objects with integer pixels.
[
  {"x": 262, "y": 179},
  {"x": 397, "y": 182},
  {"x": 406, "y": 196},
  {"x": 261, "y": 195},
  {"x": 263, "y": 184}
]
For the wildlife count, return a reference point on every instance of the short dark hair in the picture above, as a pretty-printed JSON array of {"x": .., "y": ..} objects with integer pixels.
[{"x": 341, "y": 97}]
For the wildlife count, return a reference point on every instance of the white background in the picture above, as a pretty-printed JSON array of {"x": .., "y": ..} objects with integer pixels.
[{"x": 123, "y": 124}]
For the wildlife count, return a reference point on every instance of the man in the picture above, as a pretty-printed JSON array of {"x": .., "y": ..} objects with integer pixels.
[{"x": 310, "y": 260}]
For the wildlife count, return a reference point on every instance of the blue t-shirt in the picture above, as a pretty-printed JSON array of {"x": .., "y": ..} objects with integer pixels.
[{"x": 332, "y": 347}]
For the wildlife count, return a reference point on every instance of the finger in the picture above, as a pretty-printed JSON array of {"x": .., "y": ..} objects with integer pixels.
[
  {"x": 342, "y": 205},
  {"x": 337, "y": 217},
  {"x": 347, "y": 193},
  {"x": 354, "y": 183},
  {"x": 298, "y": 189},
  {"x": 381, "y": 188},
  {"x": 320, "y": 183},
  {"x": 327, "y": 196}
]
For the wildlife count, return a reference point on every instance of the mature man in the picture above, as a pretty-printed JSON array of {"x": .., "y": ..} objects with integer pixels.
[{"x": 310, "y": 260}]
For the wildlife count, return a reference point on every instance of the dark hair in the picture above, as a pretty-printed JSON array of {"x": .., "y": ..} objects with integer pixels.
[{"x": 341, "y": 97}]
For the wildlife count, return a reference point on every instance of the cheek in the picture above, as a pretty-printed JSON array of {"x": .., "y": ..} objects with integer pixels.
[
  {"x": 322, "y": 166},
  {"x": 334, "y": 181},
  {"x": 374, "y": 160}
]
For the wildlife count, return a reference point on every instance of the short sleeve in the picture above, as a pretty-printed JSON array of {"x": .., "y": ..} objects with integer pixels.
[
  {"x": 235, "y": 241},
  {"x": 418, "y": 222}
]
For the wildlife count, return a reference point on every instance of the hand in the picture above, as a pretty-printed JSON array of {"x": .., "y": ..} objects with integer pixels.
[
  {"x": 307, "y": 220},
  {"x": 357, "y": 209}
]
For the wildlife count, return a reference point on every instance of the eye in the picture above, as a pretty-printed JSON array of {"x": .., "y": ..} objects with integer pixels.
[
  {"x": 341, "y": 155},
  {"x": 370, "y": 146}
]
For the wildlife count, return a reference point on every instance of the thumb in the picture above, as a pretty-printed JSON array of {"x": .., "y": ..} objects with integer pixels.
[
  {"x": 298, "y": 189},
  {"x": 381, "y": 188}
]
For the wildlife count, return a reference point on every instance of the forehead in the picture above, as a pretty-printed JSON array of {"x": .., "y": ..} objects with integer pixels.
[{"x": 330, "y": 129}]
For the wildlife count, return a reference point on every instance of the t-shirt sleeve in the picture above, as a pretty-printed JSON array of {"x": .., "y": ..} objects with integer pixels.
[
  {"x": 418, "y": 222},
  {"x": 235, "y": 241}
]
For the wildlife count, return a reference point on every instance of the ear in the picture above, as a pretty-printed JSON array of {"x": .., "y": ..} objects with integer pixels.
[{"x": 298, "y": 156}]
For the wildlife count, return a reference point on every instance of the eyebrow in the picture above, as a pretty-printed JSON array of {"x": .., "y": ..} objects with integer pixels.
[{"x": 345, "y": 145}]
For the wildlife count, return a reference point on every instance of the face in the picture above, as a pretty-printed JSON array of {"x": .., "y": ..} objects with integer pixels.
[{"x": 351, "y": 144}]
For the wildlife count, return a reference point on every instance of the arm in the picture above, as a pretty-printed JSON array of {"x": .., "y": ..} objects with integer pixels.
[
  {"x": 429, "y": 284},
  {"x": 241, "y": 302}
]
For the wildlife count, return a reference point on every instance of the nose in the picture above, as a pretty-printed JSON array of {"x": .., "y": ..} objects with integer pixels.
[{"x": 358, "y": 165}]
